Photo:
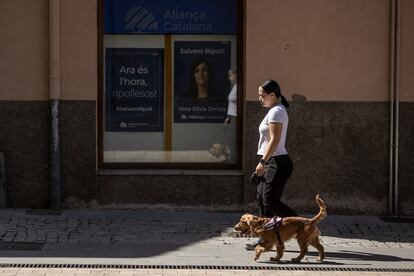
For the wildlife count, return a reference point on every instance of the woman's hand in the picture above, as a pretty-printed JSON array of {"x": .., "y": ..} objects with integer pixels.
[
  {"x": 260, "y": 169},
  {"x": 227, "y": 120}
]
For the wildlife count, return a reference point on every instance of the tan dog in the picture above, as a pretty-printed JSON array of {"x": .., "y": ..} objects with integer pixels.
[{"x": 303, "y": 229}]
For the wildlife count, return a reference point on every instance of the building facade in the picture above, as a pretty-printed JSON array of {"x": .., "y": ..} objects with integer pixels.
[{"x": 97, "y": 106}]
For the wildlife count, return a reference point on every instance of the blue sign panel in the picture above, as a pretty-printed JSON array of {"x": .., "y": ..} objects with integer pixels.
[
  {"x": 170, "y": 16},
  {"x": 201, "y": 82},
  {"x": 134, "y": 89}
]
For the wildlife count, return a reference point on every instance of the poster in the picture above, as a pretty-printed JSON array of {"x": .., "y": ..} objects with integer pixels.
[
  {"x": 201, "y": 84},
  {"x": 134, "y": 89}
]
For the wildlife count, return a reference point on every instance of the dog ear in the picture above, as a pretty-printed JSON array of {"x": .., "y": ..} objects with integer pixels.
[
  {"x": 258, "y": 231},
  {"x": 252, "y": 223},
  {"x": 262, "y": 221}
]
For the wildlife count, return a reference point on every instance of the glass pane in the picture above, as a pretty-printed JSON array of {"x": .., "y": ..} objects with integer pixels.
[
  {"x": 201, "y": 90},
  {"x": 168, "y": 96},
  {"x": 133, "y": 96}
]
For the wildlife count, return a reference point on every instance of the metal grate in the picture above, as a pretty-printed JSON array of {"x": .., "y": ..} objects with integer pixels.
[{"x": 206, "y": 267}]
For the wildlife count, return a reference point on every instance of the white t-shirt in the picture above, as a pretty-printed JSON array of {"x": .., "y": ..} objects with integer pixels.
[
  {"x": 276, "y": 114},
  {"x": 232, "y": 108}
]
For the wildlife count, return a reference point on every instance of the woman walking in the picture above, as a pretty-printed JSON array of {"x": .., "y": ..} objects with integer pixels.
[{"x": 275, "y": 166}]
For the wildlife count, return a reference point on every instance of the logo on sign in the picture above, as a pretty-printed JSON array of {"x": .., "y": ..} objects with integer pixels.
[{"x": 139, "y": 19}]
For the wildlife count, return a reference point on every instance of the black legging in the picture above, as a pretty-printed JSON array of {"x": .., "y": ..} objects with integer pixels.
[{"x": 270, "y": 191}]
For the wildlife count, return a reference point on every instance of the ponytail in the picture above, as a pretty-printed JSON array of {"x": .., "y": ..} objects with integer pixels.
[{"x": 284, "y": 101}]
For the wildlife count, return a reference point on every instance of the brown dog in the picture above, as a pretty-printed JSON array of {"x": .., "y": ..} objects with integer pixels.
[{"x": 303, "y": 229}]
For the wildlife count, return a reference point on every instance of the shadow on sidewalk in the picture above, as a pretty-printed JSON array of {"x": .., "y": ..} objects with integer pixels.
[
  {"x": 365, "y": 256},
  {"x": 342, "y": 258},
  {"x": 347, "y": 255},
  {"x": 110, "y": 234}
]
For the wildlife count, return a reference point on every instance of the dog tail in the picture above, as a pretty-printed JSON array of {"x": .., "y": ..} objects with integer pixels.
[{"x": 320, "y": 216}]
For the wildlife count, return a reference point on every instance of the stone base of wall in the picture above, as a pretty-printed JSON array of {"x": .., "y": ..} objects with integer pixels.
[
  {"x": 24, "y": 140},
  {"x": 340, "y": 151}
]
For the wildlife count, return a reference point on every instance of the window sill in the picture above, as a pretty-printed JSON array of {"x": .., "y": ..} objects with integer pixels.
[{"x": 164, "y": 172}]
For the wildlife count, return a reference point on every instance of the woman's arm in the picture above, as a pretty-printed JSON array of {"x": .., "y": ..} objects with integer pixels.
[{"x": 275, "y": 130}]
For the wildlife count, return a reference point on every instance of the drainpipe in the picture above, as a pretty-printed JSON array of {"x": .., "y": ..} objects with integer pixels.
[
  {"x": 54, "y": 98},
  {"x": 394, "y": 106}
]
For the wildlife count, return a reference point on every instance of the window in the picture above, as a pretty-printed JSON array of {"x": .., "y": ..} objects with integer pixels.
[{"x": 169, "y": 94}]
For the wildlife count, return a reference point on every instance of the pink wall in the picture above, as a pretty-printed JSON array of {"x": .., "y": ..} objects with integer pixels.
[
  {"x": 325, "y": 50},
  {"x": 407, "y": 51},
  {"x": 24, "y": 50},
  {"x": 79, "y": 44},
  {"x": 24, "y": 66}
]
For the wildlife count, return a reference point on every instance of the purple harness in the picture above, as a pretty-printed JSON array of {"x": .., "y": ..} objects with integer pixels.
[{"x": 274, "y": 224}]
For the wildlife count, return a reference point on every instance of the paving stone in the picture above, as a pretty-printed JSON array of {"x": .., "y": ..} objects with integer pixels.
[{"x": 102, "y": 228}]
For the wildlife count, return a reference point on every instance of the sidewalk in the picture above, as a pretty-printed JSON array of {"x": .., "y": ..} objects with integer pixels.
[{"x": 189, "y": 243}]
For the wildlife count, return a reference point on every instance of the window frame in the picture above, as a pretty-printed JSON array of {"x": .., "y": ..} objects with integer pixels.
[{"x": 172, "y": 165}]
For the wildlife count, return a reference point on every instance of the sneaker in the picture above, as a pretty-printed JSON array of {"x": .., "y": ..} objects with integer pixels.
[{"x": 252, "y": 246}]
